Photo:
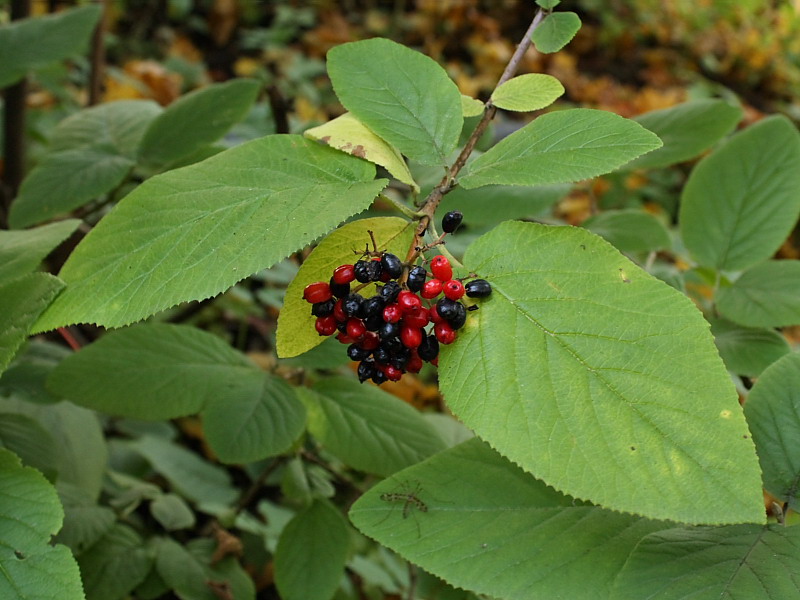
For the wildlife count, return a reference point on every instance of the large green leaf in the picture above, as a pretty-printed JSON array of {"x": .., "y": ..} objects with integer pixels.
[
  {"x": 556, "y": 31},
  {"x": 630, "y": 230},
  {"x": 22, "y": 251},
  {"x": 317, "y": 536},
  {"x": 30, "y": 514},
  {"x": 32, "y": 43},
  {"x": 296, "y": 333},
  {"x": 402, "y": 95},
  {"x": 773, "y": 413},
  {"x": 367, "y": 428},
  {"x": 27, "y": 374},
  {"x": 85, "y": 522},
  {"x": 153, "y": 372},
  {"x": 91, "y": 152},
  {"x": 686, "y": 130},
  {"x": 262, "y": 419},
  {"x": 725, "y": 563},
  {"x": 600, "y": 379},
  {"x": 115, "y": 565},
  {"x": 531, "y": 91},
  {"x": 479, "y": 522},
  {"x": 22, "y": 300},
  {"x": 766, "y": 295},
  {"x": 197, "y": 119},
  {"x": 745, "y": 350},
  {"x": 193, "y": 232},
  {"x": 561, "y": 147},
  {"x": 741, "y": 202},
  {"x": 30, "y": 441}
]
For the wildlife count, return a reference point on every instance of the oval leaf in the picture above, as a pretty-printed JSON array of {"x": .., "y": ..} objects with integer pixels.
[
  {"x": 773, "y": 413},
  {"x": 745, "y": 350},
  {"x": 556, "y": 31},
  {"x": 570, "y": 369},
  {"x": 561, "y": 147},
  {"x": 454, "y": 515},
  {"x": 367, "y": 428},
  {"x": 470, "y": 107},
  {"x": 152, "y": 372},
  {"x": 630, "y": 230},
  {"x": 766, "y": 295},
  {"x": 528, "y": 92},
  {"x": 22, "y": 251},
  {"x": 317, "y": 536},
  {"x": 725, "y": 563},
  {"x": 348, "y": 134},
  {"x": 260, "y": 420},
  {"x": 193, "y": 232},
  {"x": 115, "y": 565},
  {"x": 741, "y": 202},
  {"x": 402, "y": 95},
  {"x": 296, "y": 333}
]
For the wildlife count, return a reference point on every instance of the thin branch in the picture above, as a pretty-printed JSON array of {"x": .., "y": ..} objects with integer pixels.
[{"x": 98, "y": 57}]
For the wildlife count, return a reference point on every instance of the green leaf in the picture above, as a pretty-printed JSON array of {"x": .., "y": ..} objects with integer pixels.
[
  {"x": 296, "y": 333},
  {"x": 479, "y": 522},
  {"x": 493, "y": 204},
  {"x": 527, "y": 92},
  {"x": 29, "y": 44},
  {"x": 561, "y": 147},
  {"x": 348, "y": 134},
  {"x": 91, "y": 153},
  {"x": 22, "y": 300},
  {"x": 773, "y": 414},
  {"x": 193, "y": 232},
  {"x": 115, "y": 565},
  {"x": 318, "y": 536},
  {"x": 30, "y": 513},
  {"x": 402, "y": 95},
  {"x": 367, "y": 428},
  {"x": 600, "y": 379},
  {"x": 30, "y": 441},
  {"x": 190, "y": 475},
  {"x": 747, "y": 351},
  {"x": 22, "y": 251},
  {"x": 197, "y": 120},
  {"x": 172, "y": 512},
  {"x": 740, "y": 561},
  {"x": 630, "y": 230},
  {"x": 470, "y": 107},
  {"x": 152, "y": 372},
  {"x": 766, "y": 295},
  {"x": 548, "y": 4},
  {"x": 741, "y": 202},
  {"x": 85, "y": 522},
  {"x": 262, "y": 419},
  {"x": 25, "y": 377},
  {"x": 556, "y": 31},
  {"x": 686, "y": 130}
]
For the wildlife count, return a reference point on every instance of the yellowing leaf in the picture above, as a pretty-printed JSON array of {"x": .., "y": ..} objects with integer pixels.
[{"x": 528, "y": 92}]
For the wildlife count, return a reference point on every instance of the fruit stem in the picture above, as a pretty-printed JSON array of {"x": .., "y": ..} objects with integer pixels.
[{"x": 448, "y": 182}]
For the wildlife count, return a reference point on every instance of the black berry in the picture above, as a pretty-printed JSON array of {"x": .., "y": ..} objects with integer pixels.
[
  {"x": 382, "y": 355},
  {"x": 389, "y": 330},
  {"x": 478, "y": 288},
  {"x": 446, "y": 308},
  {"x": 363, "y": 271},
  {"x": 366, "y": 370},
  {"x": 389, "y": 292},
  {"x": 372, "y": 306},
  {"x": 352, "y": 305},
  {"x": 416, "y": 279},
  {"x": 379, "y": 376},
  {"x": 323, "y": 309},
  {"x": 355, "y": 352},
  {"x": 373, "y": 322},
  {"x": 459, "y": 316},
  {"x": 340, "y": 290},
  {"x": 429, "y": 348},
  {"x": 391, "y": 265},
  {"x": 451, "y": 221}
]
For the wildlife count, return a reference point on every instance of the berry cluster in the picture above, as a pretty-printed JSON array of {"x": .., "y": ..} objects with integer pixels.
[{"x": 386, "y": 333}]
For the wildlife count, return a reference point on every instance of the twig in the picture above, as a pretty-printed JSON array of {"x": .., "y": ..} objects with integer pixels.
[
  {"x": 69, "y": 338},
  {"x": 255, "y": 487},
  {"x": 448, "y": 182},
  {"x": 412, "y": 581},
  {"x": 98, "y": 57}
]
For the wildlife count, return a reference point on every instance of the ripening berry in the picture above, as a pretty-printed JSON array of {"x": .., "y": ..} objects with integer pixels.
[
  {"x": 371, "y": 341},
  {"x": 418, "y": 317},
  {"x": 392, "y": 313},
  {"x": 338, "y": 311},
  {"x": 441, "y": 269},
  {"x": 451, "y": 221},
  {"x": 318, "y": 291},
  {"x": 410, "y": 336},
  {"x": 325, "y": 325},
  {"x": 344, "y": 274},
  {"x": 416, "y": 278},
  {"x": 392, "y": 373},
  {"x": 478, "y": 288},
  {"x": 453, "y": 289},
  {"x": 391, "y": 265},
  {"x": 408, "y": 301},
  {"x": 432, "y": 288},
  {"x": 444, "y": 333},
  {"x": 433, "y": 314},
  {"x": 356, "y": 329},
  {"x": 414, "y": 364}
]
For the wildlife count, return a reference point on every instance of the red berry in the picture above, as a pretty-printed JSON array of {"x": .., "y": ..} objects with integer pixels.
[
  {"x": 325, "y": 325},
  {"x": 371, "y": 341},
  {"x": 392, "y": 373},
  {"x": 317, "y": 292},
  {"x": 410, "y": 336},
  {"x": 444, "y": 333},
  {"x": 414, "y": 364},
  {"x": 408, "y": 301},
  {"x": 344, "y": 338},
  {"x": 433, "y": 314},
  {"x": 356, "y": 329},
  {"x": 392, "y": 313},
  {"x": 417, "y": 317},
  {"x": 435, "y": 362},
  {"x": 344, "y": 274},
  {"x": 454, "y": 289},
  {"x": 441, "y": 268},
  {"x": 432, "y": 288},
  {"x": 338, "y": 311}
]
